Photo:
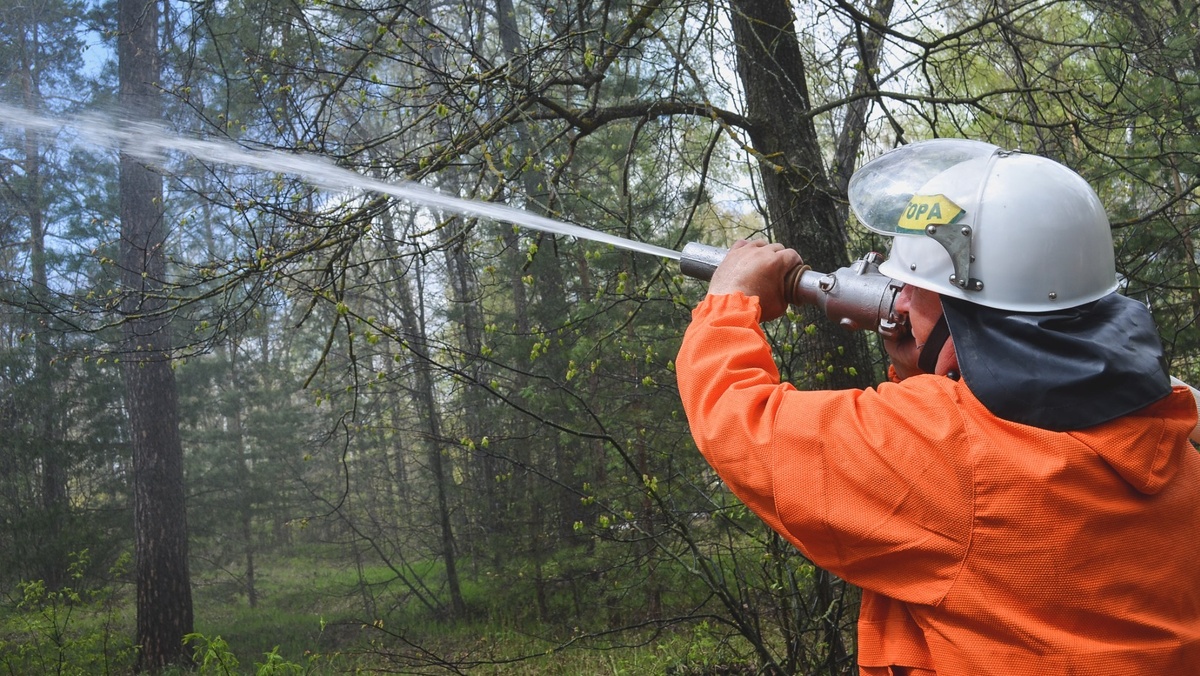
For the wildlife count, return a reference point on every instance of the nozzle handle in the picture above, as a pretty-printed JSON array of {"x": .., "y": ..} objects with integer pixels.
[{"x": 700, "y": 261}]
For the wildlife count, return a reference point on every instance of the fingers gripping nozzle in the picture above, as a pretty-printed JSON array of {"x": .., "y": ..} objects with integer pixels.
[{"x": 857, "y": 297}]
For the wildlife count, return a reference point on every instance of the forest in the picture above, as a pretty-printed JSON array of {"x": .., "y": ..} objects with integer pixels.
[{"x": 250, "y": 423}]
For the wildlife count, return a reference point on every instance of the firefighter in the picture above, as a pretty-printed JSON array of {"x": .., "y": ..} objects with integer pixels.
[{"x": 1021, "y": 496}]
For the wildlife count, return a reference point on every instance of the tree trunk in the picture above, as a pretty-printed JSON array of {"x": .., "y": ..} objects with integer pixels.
[
  {"x": 851, "y": 136},
  {"x": 413, "y": 322},
  {"x": 803, "y": 210},
  {"x": 164, "y": 597},
  {"x": 245, "y": 489},
  {"x": 802, "y": 203},
  {"x": 52, "y": 558}
]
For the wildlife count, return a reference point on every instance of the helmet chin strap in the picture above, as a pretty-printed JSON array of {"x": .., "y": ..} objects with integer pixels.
[{"x": 927, "y": 360}]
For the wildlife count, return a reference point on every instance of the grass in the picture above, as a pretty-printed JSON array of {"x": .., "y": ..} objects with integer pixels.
[{"x": 311, "y": 618}]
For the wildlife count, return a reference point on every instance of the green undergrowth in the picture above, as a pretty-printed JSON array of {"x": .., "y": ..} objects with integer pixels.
[{"x": 315, "y": 613}]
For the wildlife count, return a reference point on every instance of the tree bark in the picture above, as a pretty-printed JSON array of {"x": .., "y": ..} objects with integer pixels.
[
  {"x": 803, "y": 208},
  {"x": 52, "y": 558},
  {"x": 425, "y": 398},
  {"x": 164, "y": 596},
  {"x": 851, "y": 136},
  {"x": 802, "y": 203},
  {"x": 413, "y": 322}
]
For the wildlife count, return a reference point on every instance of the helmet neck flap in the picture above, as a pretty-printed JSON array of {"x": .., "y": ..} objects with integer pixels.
[{"x": 1062, "y": 370}]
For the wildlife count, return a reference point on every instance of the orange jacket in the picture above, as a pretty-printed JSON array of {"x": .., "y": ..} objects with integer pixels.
[{"x": 982, "y": 546}]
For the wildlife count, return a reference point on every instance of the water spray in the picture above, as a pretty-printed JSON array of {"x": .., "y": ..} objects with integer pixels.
[
  {"x": 150, "y": 143},
  {"x": 857, "y": 297}
]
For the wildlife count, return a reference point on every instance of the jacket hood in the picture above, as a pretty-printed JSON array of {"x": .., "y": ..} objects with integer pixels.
[{"x": 1146, "y": 451}]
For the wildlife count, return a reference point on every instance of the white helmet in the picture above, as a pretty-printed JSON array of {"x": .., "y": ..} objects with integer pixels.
[{"x": 996, "y": 228}]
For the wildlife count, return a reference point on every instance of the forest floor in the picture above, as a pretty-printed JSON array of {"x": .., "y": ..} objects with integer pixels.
[{"x": 318, "y": 615}]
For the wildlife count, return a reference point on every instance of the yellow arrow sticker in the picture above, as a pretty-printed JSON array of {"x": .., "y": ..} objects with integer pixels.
[{"x": 926, "y": 210}]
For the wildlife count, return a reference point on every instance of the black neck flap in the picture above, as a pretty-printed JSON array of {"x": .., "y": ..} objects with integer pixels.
[
  {"x": 1061, "y": 370},
  {"x": 938, "y": 335}
]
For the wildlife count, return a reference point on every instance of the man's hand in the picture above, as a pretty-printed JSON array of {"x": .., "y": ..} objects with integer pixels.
[
  {"x": 905, "y": 353},
  {"x": 756, "y": 268}
]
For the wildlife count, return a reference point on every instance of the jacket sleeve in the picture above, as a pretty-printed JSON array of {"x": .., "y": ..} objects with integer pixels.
[{"x": 872, "y": 485}]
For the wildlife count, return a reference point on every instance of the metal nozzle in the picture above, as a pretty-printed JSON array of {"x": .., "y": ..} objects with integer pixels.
[
  {"x": 857, "y": 297},
  {"x": 700, "y": 261}
]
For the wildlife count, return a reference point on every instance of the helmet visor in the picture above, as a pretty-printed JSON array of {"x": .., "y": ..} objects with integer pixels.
[{"x": 882, "y": 190}]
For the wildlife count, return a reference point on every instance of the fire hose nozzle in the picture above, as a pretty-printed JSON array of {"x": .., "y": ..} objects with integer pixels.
[
  {"x": 856, "y": 297},
  {"x": 700, "y": 261}
]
